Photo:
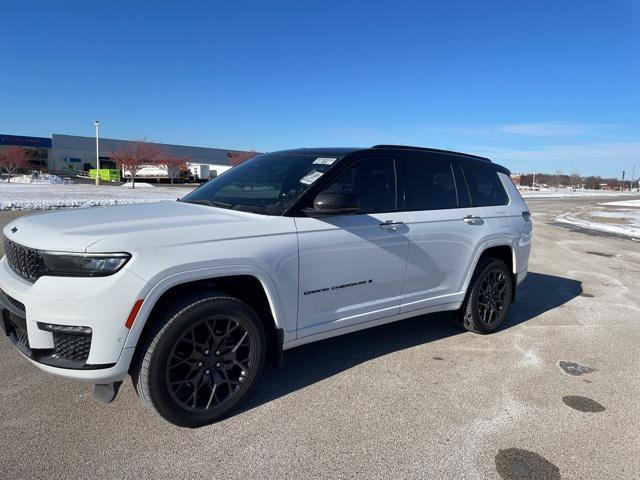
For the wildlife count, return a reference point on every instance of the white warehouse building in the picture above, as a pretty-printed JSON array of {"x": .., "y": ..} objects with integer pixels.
[{"x": 71, "y": 154}]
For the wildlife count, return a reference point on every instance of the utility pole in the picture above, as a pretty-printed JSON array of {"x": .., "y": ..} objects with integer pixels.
[
  {"x": 534, "y": 180},
  {"x": 97, "y": 125},
  {"x": 633, "y": 175}
]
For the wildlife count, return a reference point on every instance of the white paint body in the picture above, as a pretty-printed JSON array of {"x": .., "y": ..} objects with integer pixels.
[{"x": 359, "y": 274}]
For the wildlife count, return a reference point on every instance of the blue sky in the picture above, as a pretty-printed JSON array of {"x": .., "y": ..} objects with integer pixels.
[{"x": 536, "y": 85}]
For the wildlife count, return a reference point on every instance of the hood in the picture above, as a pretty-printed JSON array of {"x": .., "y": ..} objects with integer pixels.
[{"x": 118, "y": 228}]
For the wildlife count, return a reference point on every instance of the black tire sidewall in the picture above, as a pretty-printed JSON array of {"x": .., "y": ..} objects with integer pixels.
[
  {"x": 471, "y": 316},
  {"x": 156, "y": 358}
]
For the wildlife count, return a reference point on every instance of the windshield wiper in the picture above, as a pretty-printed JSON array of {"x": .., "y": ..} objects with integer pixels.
[{"x": 211, "y": 203}]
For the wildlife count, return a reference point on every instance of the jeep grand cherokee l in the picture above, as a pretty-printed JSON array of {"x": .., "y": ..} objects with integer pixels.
[{"x": 193, "y": 297}]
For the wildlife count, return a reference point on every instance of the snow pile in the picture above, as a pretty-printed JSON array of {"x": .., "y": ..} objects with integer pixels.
[
  {"x": 29, "y": 196},
  {"x": 137, "y": 185},
  {"x": 39, "y": 179}
]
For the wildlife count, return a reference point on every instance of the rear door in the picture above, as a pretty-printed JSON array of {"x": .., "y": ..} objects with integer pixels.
[
  {"x": 352, "y": 266},
  {"x": 444, "y": 229}
]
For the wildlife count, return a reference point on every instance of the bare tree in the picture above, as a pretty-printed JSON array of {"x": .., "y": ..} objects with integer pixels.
[
  {"x": 172, "y": 165},
  {"x": 236, "y": 158},
  {"x": 12, "y": 159},
  {"x": 558, "y": 178},
  {"x": 575, "y": 178},
  {"x": 135, "y": 156}
]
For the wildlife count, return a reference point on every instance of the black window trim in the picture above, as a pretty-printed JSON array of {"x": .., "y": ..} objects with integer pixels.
[
  {"x": 457, "y": 161},
  {"x": 463, "y": 188}
]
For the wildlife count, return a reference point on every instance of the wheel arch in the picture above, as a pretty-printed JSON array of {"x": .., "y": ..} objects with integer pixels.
[
  {"x": 501, "y": 249},
  {"x": 251, "y": 285}
]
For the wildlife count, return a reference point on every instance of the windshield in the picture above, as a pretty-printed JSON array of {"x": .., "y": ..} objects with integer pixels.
[{"x": 267, "y": 184}]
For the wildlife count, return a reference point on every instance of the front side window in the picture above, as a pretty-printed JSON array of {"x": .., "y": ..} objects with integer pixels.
[
  {"x": 429, "y": 185},
  {"x": 484, "y": 185},
  {"x": 373, "y": 180},
  {"x": 267, "y": 184}
]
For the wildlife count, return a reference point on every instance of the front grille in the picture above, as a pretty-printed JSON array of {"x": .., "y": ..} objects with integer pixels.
[
  {"x": 19, "y": 335},
  {"x": 22, "y": 260},
  {"x": 8, "y": 300},
  {"x": 72, "y": 346}
]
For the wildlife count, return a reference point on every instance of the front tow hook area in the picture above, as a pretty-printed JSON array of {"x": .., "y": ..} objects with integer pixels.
[{"x": 106, "y": 393}]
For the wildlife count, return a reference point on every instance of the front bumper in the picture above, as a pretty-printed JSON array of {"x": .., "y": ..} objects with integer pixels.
[{"x": 93, "y": 310}]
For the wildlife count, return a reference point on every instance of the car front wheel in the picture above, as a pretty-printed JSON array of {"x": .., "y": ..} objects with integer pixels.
[{"x": 204, "y": 356}]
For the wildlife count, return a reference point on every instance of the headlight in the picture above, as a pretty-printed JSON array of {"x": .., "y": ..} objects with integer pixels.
[{"x": 80, "y": 264}]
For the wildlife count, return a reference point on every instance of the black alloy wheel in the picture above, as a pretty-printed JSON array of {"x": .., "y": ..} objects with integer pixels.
[
  {"x": 492, "y": 296},
  {"x": 488, "y": 299},
  {"x": 209, "y": 362},
  {"x": 203, "y": 356}
]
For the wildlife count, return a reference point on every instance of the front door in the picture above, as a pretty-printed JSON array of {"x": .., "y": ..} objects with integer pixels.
[{"x": 352, "y": 266}]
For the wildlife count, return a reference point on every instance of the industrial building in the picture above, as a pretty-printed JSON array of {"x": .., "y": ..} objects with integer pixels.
[{"x": 71, "y": 154}]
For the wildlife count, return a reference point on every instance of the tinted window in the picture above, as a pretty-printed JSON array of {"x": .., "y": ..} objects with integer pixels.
[
  {"x": 373, "y": 180},
  {"x": 484, "y": 185},
  {"x": 429, "y": 185}
]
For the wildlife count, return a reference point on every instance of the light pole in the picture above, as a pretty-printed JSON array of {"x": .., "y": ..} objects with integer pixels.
[{"x": 97, "y": 124}]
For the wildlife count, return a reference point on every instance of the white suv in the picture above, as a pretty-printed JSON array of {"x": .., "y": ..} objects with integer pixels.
[{"x": 193, "y": 297}]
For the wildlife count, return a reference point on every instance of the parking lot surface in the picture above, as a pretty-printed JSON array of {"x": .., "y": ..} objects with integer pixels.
[{"x": 553, "y": 394}]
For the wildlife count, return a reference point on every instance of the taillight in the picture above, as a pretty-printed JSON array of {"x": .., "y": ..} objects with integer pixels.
[{"x": 526, "y": 216}]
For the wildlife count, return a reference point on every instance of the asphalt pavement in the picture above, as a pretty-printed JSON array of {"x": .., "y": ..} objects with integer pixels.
[{"x": 554, "y": 394}]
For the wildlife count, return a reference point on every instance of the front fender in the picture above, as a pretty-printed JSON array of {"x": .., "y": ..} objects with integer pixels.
[{"x": 283, "y": 318}]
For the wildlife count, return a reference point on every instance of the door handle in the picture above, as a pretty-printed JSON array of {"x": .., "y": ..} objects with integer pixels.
[
  {"x": 391, "y": 225},
  {"x": 473, "y": 220}
]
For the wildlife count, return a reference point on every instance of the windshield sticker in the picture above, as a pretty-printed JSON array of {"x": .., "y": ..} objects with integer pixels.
[
  {"x": 309, "y": 178},
  {"x": 324, "y": 161}
]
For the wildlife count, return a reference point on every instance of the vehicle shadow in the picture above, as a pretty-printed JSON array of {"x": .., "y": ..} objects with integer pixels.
[
  {"x": 308, "y": 364},
  {"x": 540, "y": 293}
]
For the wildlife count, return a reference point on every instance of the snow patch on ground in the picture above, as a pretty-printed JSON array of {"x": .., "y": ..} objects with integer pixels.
[
  {"x": 29, "y": 196},
  {"x": 629, "y": 229},
  {"x": 137, "y": 185},
  {"x": 624, "y": 203},
  {"x": 614, "y": 214},
  {"x": 569, "y": 193}
]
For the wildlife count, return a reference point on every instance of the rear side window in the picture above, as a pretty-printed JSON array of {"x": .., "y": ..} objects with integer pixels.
[
  {"x": 484, "y": 185},
  {"x": 429, "y": 185}
]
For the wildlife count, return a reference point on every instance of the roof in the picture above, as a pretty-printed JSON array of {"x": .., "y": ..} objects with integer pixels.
[
  {"x": 328, "y": 151},
  {"x": 342, "y": 151},
  {"x": 434, "y": 150}
]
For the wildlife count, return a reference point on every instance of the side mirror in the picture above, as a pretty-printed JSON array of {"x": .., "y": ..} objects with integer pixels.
[{"x": 326, "y": 204}]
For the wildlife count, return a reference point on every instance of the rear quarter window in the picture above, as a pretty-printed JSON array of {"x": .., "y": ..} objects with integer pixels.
[{"x": 485, "y": 186}]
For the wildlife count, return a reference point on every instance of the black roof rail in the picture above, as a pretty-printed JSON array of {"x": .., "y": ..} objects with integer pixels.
[{"x": 435, "y": 150}]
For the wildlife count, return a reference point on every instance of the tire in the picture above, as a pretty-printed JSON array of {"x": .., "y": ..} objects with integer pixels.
[
  {"x": 488, "y": 299},
  {"x": 203, "y": 356}
]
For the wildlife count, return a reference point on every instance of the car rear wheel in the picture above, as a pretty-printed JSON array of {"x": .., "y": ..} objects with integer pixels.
[
  {"x": 201, "y": 360},
  {"x": 488, "y": 298}
]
